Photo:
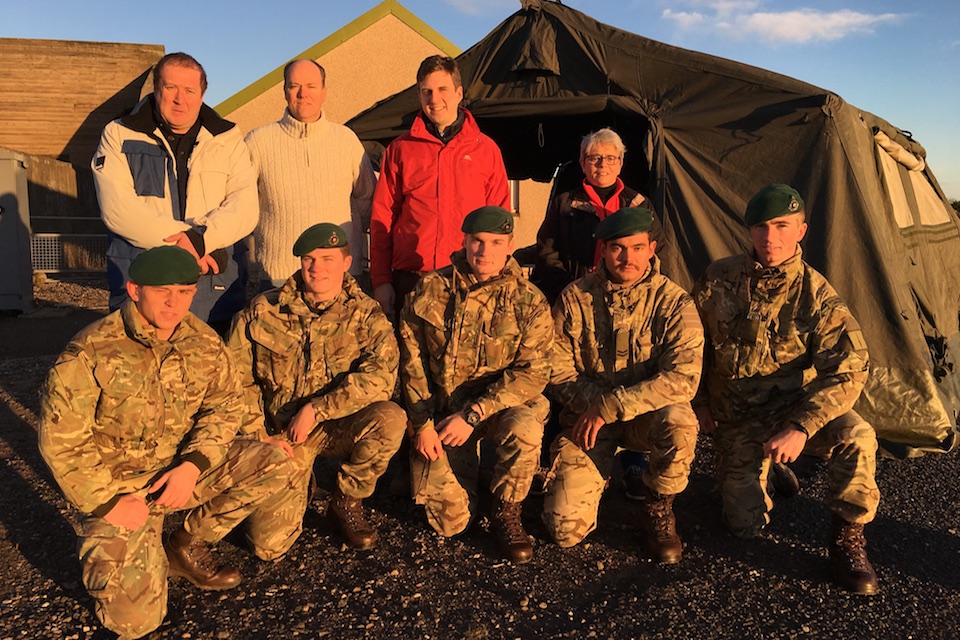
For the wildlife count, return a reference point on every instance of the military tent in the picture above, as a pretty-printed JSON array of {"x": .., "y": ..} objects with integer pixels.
[{"x": 704, "y": 134}]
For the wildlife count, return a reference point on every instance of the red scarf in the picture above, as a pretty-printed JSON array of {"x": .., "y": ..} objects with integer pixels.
[{"x": 602, "y": 209}]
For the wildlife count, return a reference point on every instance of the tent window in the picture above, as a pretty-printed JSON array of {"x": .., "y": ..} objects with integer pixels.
[
  {"x": 932, "y": 209},
  {"x": 899, "y": 165},
  {"x": 898, "y": 197}
]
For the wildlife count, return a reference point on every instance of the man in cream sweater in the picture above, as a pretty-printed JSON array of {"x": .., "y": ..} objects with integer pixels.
[{"x": 308, "y": 167}]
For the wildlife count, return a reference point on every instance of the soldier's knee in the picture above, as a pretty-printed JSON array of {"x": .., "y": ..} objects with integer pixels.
[
  {"x": 130, "y": 618},
  {"x": 564, "y": 535},
  {"x": 391, "y": 418},
  {"x": 681, "y": 415},
  {"x": 269, "y": 551},
  {"x": 446, "y": 523}
]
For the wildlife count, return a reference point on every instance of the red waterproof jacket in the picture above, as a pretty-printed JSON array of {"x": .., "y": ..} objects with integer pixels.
[{"x": 426, "y": 188}]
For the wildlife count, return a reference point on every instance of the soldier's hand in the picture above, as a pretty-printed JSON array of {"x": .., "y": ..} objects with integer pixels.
[
  {"x": 387, "y": 297},
  {"x": 587, "y": 427},
  {"x": 282, "y": 443},
  {"x": 786, "y": 446},
  {"x": 454, "y": 430},
  {"x": 208, "y": 264},
  {"x": 427, "y": 443},
  {"x": 177, "y": 485},
  {"x": 302, "y": 424},
  {"x": 182, "y": 241},
  {"x": 705, "y": 417},
  {"x": 130, "y": 512}
]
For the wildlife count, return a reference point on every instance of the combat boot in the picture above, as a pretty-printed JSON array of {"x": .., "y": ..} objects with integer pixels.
[
  {"x": 848, "y": 555},
  {"x": 192, "y": 559},
  {"x": 346, "y": 515},
  {"x": 508, "y": 529},
  {"x": 782, "y": 481},
  {"x": 660, "y": 527}
]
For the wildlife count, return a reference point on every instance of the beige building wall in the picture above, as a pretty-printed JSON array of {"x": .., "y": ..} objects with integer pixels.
[
  {"x": 534, "y": 197},
  {"x": 358, "y": 74}
]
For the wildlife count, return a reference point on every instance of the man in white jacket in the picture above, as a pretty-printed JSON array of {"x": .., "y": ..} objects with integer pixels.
[
  {"x": 310, "y": 170},
  {"x": 175, "y": 172}
]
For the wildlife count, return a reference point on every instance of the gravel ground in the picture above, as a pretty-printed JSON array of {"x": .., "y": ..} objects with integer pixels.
[{"x": 417, "y": 585}]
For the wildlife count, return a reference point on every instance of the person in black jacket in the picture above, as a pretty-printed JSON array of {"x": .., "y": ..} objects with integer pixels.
[{"x": 566, "y": 248}]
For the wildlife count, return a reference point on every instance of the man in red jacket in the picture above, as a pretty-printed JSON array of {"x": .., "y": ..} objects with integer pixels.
[{"x": 430, "y": 179}]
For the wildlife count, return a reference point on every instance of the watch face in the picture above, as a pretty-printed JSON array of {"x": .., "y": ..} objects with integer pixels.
[{"x": 473, "y": 418}]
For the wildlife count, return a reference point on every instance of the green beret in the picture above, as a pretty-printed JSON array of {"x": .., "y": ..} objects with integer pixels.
[
  {"x": 625, "y": 222},
  {"x": 325, "y": 235},
  {"x": 164, "y": 265},
  {"x": 489, "y": 219},
  {"x": 773, "y": 201}
]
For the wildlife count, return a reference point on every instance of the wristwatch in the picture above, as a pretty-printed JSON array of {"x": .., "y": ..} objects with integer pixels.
[{"x": 471, "y": 416}]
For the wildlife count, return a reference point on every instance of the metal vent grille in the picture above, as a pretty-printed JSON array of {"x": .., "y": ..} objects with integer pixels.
[{"x": 61, "y": 252}]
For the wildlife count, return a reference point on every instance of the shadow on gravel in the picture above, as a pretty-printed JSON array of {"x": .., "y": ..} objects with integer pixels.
[
  {"x": 928, "y": 555},
  {"x": 41, "y": 534}
]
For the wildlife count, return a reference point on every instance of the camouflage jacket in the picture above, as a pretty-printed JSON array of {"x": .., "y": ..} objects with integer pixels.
[
  {"x": 120, "y": 406},
  {"x": 341, "y": 355},
  {"x": 628, "y": 350},
  {"x": 781, "y": 343},
  {"x": 465, "y": 342}
]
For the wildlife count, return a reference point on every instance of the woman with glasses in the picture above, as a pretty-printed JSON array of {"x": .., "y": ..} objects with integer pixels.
[{"x": 566, "y": 248}]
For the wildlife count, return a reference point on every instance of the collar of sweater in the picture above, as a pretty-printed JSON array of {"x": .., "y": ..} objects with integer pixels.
[{"x": 296, "y": 129}]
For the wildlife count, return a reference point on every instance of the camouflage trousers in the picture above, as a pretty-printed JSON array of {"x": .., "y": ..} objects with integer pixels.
[
  {"x": 126, "y": 571},
  {"x": 448, "y": 487},
  {"x": 365, "y": 440},
  {"x": 578, "y": 478},
  {"x": 849, "y": 444}
]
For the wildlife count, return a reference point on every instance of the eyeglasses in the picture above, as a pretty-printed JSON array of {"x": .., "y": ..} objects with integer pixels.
[{"x": 592, "y": 159}]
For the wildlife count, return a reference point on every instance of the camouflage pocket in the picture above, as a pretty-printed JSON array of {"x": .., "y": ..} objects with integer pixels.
[{"x": 787, "y": 348}]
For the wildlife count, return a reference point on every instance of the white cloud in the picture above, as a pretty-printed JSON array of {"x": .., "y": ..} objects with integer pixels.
[
  {"x": 806, "y": 25},
  {"x": 683, "y": 19},
  {"x": 740, "y": 19}
]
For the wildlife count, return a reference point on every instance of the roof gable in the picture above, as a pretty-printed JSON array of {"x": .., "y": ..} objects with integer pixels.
[{"x": 335, "y": 39}]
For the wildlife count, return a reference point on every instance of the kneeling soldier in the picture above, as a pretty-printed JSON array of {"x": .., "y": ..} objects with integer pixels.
[
  {"x": 475, "y": 337},
  {"x": 138, "y": 420},
  {"x": 787, "y": 361},
  {"x": 318, "y": 361},
  {"x": 625, "y": 366}
]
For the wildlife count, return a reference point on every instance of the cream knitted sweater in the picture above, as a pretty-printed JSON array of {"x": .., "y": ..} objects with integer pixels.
[{"x": 308, "y": 173}]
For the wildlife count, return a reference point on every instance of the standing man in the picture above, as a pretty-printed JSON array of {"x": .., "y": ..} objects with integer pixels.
[
  {"x": 318, "y": 360},
  {"x": 174, "y": 172},
  {"x": 138, "y": 419},
  {"x": 626, "y": 366},
  {"x": 307, "y": 164},
  {"x": 786, "y": 363},
  {"x": 430, "y": 179},
  {"x": 474, "y": 342}
]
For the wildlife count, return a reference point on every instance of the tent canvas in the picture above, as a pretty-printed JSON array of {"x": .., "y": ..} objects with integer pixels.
[{"x": 703, "y": 135}]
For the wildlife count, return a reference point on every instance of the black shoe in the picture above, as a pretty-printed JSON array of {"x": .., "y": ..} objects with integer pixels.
[{"x": 782, "y": 481}]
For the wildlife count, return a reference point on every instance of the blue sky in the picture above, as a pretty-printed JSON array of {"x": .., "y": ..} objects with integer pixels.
[{"x": 900, "y": 61}]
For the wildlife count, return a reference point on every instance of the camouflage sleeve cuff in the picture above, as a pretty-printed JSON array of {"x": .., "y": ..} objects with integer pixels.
[
  {"x": 106, "y": 507},
  {"x": 807, "y": 423},
  {"x": 609, "y": 406},
  {"x": 319, "y": 410},
  {"x": 428, "y": 424},
  {"x": 198, "y": 459}
]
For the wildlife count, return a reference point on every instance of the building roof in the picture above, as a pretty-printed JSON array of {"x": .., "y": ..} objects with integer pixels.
[{"x": 338, "y": 37}]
